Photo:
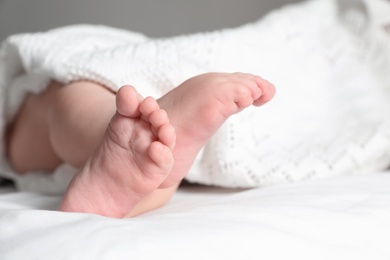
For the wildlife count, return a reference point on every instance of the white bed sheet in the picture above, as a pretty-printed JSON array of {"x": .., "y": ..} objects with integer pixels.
[{"x": 339, "y": 218}]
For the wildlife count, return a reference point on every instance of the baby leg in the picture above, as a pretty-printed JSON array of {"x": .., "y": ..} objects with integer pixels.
[
  {"x": 119, "y": 174},
  {"x": 72, "y": 121}
]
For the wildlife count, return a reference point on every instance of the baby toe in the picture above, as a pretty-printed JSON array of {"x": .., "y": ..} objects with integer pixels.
[
  {"x": 147, "y": 106},
  {"x": 158, "y": 118},
  {"x": 128, "y": 102},
  {"x": 162, "y": 156},
  {"x": 167, "y": 135},
  {"x": 268, "y": 92}
]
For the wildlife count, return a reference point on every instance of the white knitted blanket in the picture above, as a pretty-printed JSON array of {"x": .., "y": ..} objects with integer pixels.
[{"x": 331, "y": 68}]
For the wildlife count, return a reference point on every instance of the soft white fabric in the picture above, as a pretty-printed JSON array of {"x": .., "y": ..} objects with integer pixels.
[
  {"x": 338, "y": 218},
  {"x": 330, "y": 115}
]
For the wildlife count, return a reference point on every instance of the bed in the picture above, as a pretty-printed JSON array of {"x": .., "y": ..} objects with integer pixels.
[
  {"x": 338, "y": 218},
  {"x": 329, "y": 217}
]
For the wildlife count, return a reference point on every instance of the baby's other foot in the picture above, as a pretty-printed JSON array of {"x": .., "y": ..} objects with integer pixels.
[{"x": 199, "y": 106}]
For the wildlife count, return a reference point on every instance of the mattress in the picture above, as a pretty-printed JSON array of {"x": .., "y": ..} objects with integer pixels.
[{"x": 340, "y": 218}]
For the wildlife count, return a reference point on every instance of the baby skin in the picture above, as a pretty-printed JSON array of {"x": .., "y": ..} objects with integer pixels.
[{"x": 149, "y": 145}]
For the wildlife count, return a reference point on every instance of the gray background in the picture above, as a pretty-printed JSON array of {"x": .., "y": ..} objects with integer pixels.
[{"x": 155, "y": 18}]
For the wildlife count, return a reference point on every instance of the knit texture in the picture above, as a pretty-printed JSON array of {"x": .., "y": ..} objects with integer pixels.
[{"x": 331, "y": 67}]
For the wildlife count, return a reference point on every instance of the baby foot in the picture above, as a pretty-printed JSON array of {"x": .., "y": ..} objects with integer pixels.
[
  {"x": 134, "y": 158},
  {"x": 200, "y": 105}
]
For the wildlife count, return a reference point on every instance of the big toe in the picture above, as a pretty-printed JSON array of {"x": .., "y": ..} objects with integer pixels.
[
  {"x": 128, "y": 101},
  {"x": 268, "y": 92}
]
